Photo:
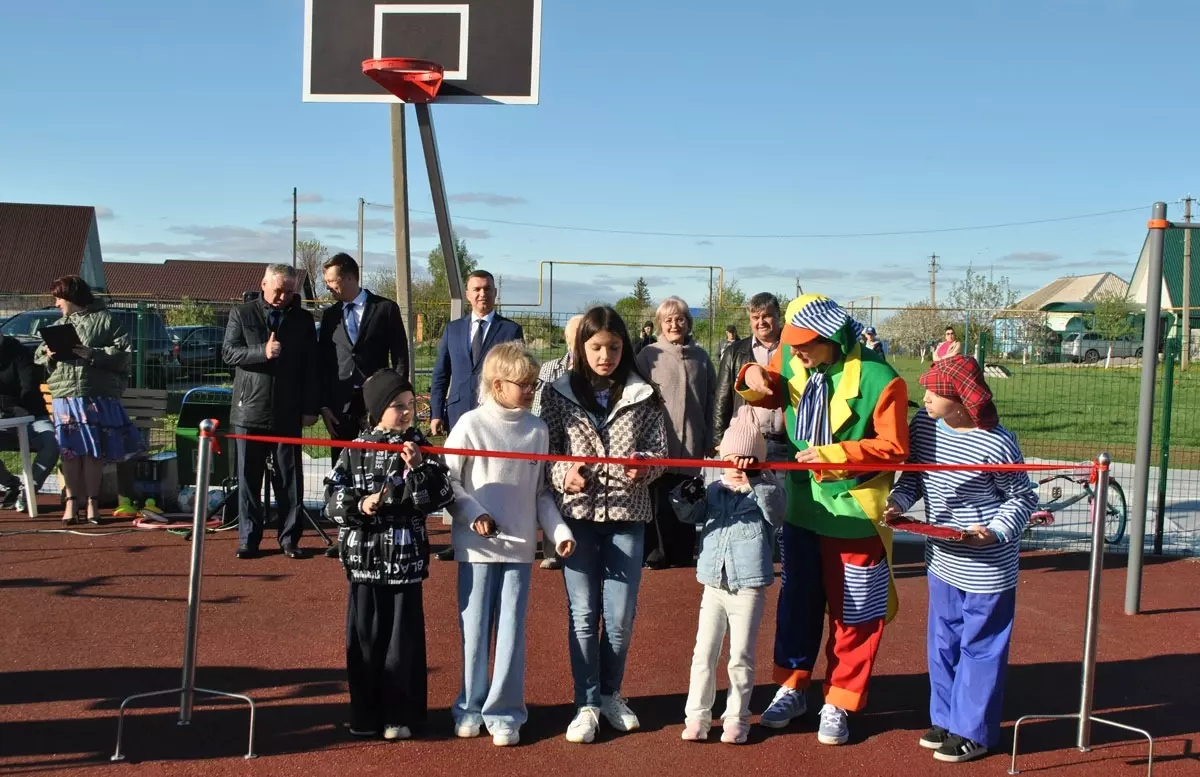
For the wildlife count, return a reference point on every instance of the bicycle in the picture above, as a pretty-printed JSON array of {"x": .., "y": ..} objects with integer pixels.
[{"x": 1115, "y": 515}]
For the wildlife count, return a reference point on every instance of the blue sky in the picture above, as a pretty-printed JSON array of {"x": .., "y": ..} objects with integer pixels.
[{"x": 184, "y": 123}]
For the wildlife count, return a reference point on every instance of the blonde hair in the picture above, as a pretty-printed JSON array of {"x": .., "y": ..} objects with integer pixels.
[
  {"x": 673, "y": 305},
  {"x": 507, "y": 361},
  {"x": 570, "y": 330}
]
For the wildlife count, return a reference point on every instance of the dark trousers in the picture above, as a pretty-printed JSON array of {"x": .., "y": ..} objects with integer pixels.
[
  {"x": 385, "y": 656},
  {"x": 350, "y": 424},
  {"x": 669, "y": 541},
  {"x": 287, "y": 484}
]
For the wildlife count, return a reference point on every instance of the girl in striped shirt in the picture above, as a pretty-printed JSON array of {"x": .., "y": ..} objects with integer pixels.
[{"x": 972, "y": 582}]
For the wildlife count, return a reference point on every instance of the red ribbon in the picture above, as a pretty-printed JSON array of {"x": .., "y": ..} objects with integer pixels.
[{"x": 649, "y": 462}]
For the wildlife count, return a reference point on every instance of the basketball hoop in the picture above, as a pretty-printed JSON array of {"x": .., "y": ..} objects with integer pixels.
[{"x": 411, "y": 80}]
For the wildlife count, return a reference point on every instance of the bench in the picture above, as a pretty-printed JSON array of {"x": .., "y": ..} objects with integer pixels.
[{"x": 146, "y": 408}]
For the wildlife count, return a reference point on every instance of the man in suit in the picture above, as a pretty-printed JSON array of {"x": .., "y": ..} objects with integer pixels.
[
  {"x": 360, "y": 335},
  {"x": 272, "y": 343},
  {"x": 464, "y": 345}
]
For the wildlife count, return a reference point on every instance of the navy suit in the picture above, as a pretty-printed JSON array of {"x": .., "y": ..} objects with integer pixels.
[{"x": 455, "y": 386}]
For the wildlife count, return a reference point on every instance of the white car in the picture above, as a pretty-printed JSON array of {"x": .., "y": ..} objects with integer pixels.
[{"x": 1089, "y": 347}]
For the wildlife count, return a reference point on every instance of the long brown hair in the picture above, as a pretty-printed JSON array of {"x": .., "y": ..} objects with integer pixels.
[{"x": 584, "y": 380}]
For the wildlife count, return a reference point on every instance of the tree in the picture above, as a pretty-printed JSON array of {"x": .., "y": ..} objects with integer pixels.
[
  {"x": 382, "y": 282},
  {"x": 641, "y": 292},
  {"x": 633, "y": 311},
  {"x": 912, "y": 328},
  {"x": 191, "y": 313},
  {"x": 431, "y": 297},
  {"x": 978, "y": 301},
  {"x": 1112, "y": 319},
  {"x": 310, "y": 257},
  {"x": 730, "y": 308}
]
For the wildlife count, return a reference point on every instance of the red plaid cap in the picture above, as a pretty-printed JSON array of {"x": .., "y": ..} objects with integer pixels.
[{"x": 960, "y": 378}]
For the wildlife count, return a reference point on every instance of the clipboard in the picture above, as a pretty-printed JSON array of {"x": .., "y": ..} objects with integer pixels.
[{"x": 61, "y": 338}]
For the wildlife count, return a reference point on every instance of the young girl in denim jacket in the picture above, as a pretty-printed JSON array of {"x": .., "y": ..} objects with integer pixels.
[{"x": 737, "y": 515}]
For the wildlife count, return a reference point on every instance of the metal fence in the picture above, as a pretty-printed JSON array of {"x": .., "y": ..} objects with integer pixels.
[{"x": 1065, "y": 391}]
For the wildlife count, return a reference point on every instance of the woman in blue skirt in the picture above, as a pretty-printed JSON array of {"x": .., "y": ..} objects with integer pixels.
[{"x": 86, "y": 386}]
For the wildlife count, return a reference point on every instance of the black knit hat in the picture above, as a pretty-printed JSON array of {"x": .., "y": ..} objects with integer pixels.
[{"x": 380, "y": 390}]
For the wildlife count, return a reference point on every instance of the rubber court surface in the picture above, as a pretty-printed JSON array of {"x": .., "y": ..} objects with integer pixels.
[{"x": 89, "y": 620}]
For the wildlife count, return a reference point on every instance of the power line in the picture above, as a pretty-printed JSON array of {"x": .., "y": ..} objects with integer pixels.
[{"x": 801, "y": 236}]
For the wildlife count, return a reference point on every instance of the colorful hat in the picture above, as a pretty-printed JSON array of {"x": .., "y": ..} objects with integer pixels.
[
  {"x": 960, "y": 378},
  {"x": 813, "y": 315}
]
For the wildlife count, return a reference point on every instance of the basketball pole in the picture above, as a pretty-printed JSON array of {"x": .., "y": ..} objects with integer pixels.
[
  {"x": 441, "y": 210},
  {"x": 400, "y": 214}
]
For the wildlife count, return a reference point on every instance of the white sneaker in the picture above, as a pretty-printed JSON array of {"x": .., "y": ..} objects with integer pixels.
[
  {"x": 397, "y": 732},
  {"x": 506, "y": 737},
  {"x": 467, "y": 728},
  {"x": 617, "y": 713},
  {"x": 583, "y": 728}
]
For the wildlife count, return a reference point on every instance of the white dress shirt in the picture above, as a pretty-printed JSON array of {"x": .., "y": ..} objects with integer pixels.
[{"x": 360, "y": 304}]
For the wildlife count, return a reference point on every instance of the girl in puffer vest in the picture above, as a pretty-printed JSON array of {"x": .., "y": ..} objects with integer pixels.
[
  {"x": 737, "y": 515},
  {"x": 379, "y": 499}
]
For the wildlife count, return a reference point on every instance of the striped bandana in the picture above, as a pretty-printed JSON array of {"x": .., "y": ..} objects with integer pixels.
[{"x": 828, "y": 319}]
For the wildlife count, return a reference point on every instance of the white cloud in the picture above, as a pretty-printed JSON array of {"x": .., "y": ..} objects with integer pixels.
[
  {"x": 319, "y": 221},
  {"x": 1111, "y": 253},
  {"x": 1032, "y": 257},
  {"x": 103, "y": 212},
  {"x": 307, "y": 197}
]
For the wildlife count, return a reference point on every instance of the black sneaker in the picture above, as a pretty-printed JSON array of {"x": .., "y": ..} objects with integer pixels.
[
  {"x": 8, "y": 496},
  {"x": 332, "y": 551},
  {"x": 956, "y": 750},
  {"x": 445, "y": 555},
  {"x": 245, "y": 551},
  {"x": 934, "y": 738}
]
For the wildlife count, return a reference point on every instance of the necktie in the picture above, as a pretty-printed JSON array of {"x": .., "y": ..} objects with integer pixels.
[
  {"x": 351, "y": 323},
  {"x": 477, "y": 342},
  {"x": 274, "y": 320}
]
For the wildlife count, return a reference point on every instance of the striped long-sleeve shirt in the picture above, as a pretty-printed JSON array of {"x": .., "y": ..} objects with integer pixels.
[{"x": 1001, "y": 501}]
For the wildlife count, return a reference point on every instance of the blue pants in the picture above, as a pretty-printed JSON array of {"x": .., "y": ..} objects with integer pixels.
[
  {"x": 492, "y": 597},
  {"x": 968, "y": 641},
  {"x": 602, "y": 578},
  {"x": 43, "y": 447}
]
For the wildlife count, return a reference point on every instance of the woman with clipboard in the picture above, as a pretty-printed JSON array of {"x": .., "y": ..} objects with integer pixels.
[{"x": 87, "y": 365}]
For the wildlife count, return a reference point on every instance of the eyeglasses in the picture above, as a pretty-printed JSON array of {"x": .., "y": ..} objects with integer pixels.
[{"x": 528, "y": 388}]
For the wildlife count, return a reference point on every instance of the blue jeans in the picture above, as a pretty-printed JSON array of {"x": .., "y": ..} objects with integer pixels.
[
  {"x": 602, "y": 578},
  {"x": 492, "y": 597},
  {"x": 43, "y": 448}
]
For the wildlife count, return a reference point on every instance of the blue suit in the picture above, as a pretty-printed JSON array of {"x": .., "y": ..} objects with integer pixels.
[{"x": 455, "y": 386}]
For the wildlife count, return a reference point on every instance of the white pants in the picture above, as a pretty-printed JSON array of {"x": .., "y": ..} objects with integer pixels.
[{"x": 740, "y": 613}]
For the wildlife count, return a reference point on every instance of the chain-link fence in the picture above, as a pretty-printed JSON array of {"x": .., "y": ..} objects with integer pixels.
[{"x": 1066, "y": 383}]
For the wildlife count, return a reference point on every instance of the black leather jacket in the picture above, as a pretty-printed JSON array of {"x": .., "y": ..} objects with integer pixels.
[{"x": 727, "y": 400}]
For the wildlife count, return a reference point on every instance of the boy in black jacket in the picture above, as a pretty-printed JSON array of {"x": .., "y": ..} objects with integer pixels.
[
  {"x": 379, "y": 499},
  {"x": 21, "y": 394}
]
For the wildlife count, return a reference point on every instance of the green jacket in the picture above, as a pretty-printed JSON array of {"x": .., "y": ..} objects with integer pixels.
[{"x": 106, "y": 374}]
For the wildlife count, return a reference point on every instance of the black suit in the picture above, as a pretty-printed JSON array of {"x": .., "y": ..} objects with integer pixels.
[
  {"x": 269, "y": 397},
  {"x": 382, "y": 343}
]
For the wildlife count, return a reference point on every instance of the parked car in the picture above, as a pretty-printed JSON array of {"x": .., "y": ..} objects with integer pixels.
[
  {"x": 159, "y": 362},
  {"x": 1089, "y": 347},
  {"x": 198, "y": 349}
]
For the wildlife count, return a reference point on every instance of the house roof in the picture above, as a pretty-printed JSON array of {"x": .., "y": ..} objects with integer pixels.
[
  {"x": 178, "y": 278},
  {"x": 41, "y": 243},
  {"x": 1073, "y": 289}
]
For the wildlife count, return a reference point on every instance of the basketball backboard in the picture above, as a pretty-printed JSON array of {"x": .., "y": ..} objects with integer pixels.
[{"x": 491, "y": 49}]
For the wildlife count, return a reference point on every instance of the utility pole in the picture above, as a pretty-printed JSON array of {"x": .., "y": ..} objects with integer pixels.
[
  {"x": 799, "y": 290},
  {"x": 933, "y": 268},
  {"x": 1186, "y": 351},
  {"x": 362, "y": 260},
  {"x": 294, "y": 202}
]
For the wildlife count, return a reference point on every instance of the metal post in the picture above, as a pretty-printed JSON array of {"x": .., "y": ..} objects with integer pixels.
[
  {"x": 712, "y": 311},
  {"x": 1164, "y": 458},
  {"x": 441, "y": 209},
  {"x": 1087, "y": 685},
  {"x": 295, "y": 221},
  {"x": 550, "y": 309},
  {"x": 188, "y": 690},
  {"x": 1145, "y": 428},
  {"x": 400, "y": 216},
  {"x": 966, "y": 346},
  {"x": 362, "y": 259},
  {"x": 140, "y": 356}
]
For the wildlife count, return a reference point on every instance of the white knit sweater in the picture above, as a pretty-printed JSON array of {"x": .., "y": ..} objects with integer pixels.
[{"x": 514, "y": 492}]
